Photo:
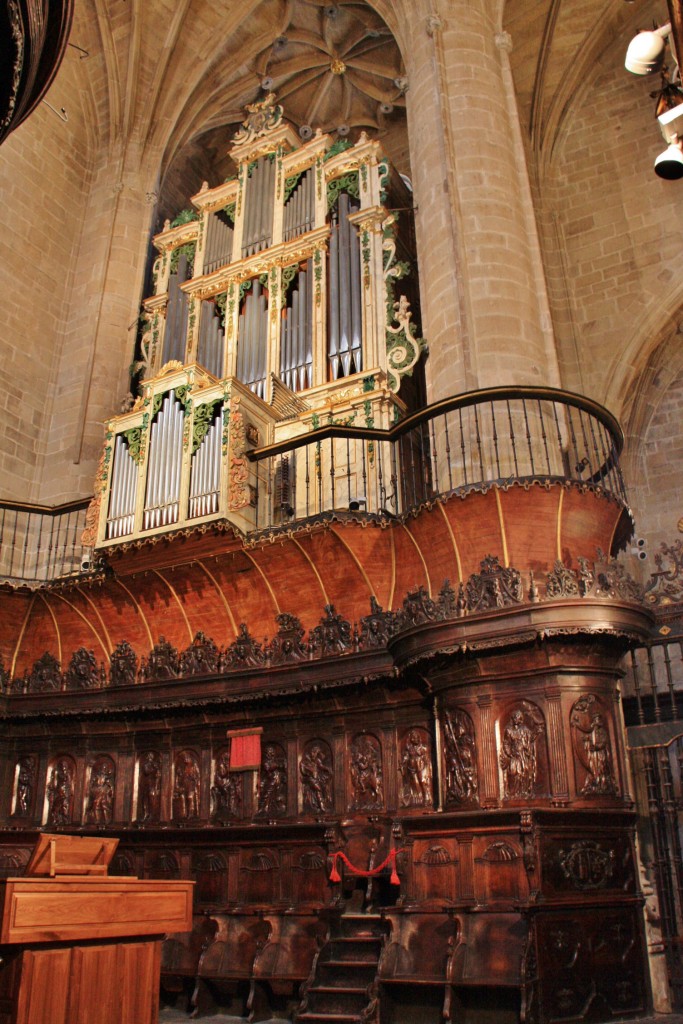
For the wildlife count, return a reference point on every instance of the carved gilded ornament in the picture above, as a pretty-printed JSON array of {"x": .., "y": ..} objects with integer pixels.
[
  {"x": 262, "y": 117},
  {"x": 238, "y": 472}
]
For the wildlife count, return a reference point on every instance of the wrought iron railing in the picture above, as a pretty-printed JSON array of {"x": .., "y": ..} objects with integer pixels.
[
  {"x": 495, "y": 436},
  {"x": 41, "y": 543}
]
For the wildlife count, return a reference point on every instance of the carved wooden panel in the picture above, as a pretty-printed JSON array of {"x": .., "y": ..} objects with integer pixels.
[
  {"x": 259, "y": 875},
  {"x": 60, "y": 790},
  {"x": 100, "y": 791},
  {"x": 307, "y": 880},
  {"x": 365, "y": 769},
  {"x": 523, "y": 754},
  {"x": 316, "y": 775},
  {"x": 186, "y": 785},
  {"x": 461, "y": 778},
  {"x": 593, "y": 863},
  {"x": 25, "y": 783},
  {"x": 594, "y": 767},
  {"x": 149, "y": 787},
  {"x": 210, "y": 873},
  {"x": 591, "y": 964},
  {"x": 226, "y": 789},
  {"x": 499, "y": 871},
  {"x": 162, "y": 865},
  {"x": 436, "y": 870},
  {"x": 272, "y": 792},
  {"x": 415, "y": 765}
]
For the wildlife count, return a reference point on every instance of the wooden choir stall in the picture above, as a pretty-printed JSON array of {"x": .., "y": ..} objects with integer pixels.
[{"x": 78, "y": 945}]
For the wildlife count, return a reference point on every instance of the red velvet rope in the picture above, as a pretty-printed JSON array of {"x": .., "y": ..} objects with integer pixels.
[{"x": 391, "y": 859}]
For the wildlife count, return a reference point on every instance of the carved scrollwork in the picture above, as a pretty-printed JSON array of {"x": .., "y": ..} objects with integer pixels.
[
  {"x": 665, "y": 585},
  {"x": 288, "y": 643},
  {"x": 162, "y": 662},
  {"x": 416, "y": 769},
  {"x": 366, "y": 773},
  {"x": 201, "y": 657},
  {"x": 186, "y": 785},
  {"x": 561, "y": 581},
  {"x": 435, "y": 856},
  {"x": 123, "y": 669},
  {"x": 26, "y": 775},
  {"x": 316, "y": 773},
  {"x": 377, "y": 627},
  {"x": 519, "y": 753},
  {"x": 587, "y": 865},
  {"x": 272, "y": 795},
  {"x": 262, "y": 117},
  {"x": 83, "y": 672},
  {"x": 332, "y": 635},
  {"x": 226, "y": 790},
  {"x": 418, "y": 607},
  {"x": 592, "y": 746},
  {"x": 45, "y": 676},
  {"x": 461, "y": 758},
  {"x": 100, "y": 806},
  {"x": 244, "y": 651},
  {"x": 607, "y": 577},
  {"x": 500, "y": 853},
  {"x": 493, "y": 587},
  {"x": 149, "y": 787},
  {"x": 60, "y": 791}
]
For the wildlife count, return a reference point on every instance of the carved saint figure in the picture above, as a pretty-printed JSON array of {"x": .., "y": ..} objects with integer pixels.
[
  {"x": 60, "y": 789},
  {"x": 186, "y": 786},
  {"x": 593, "y": 748},
  {"x": 272, "y": 797},
  {"x": 461, "y": 762},
  {"x": 225, "y": 791},
  {"x": 100, "y": 793},
  {"x": 26, "y": 780},
  {"x": 416, "y": 770},
  {"x": 366, "y": 774},
  {"x": 518, "y": 757},
  {"x": 149, "y": 787},
  {"x": 316, "y": 779}
]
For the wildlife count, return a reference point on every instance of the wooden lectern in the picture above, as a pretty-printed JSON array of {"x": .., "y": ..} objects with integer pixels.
[{"x": 79, "y": 946}]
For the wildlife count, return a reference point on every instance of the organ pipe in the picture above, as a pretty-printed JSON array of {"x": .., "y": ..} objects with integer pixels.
[
  {"x": 344, "y": 295},
  {"x": 164, "y": 465}
]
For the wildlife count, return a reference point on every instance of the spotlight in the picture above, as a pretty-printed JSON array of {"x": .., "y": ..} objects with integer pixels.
[
  {"x": 638, "y": 549},
  {"x": 669, "y": 164},
  {"x": 267, "y": 83},
  {"x": 356, "y": 503},
  {"x": 386, "y": 108},
  {"x": 343, "y": 130},
  {"x": 645, "y": 53},
  {"x": 305, "y": 132}
]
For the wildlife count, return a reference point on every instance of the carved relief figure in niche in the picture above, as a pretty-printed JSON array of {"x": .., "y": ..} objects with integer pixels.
[
  {"x": 315, "y": 769},
  {"x": 272, "y": 793},
  {"x": 593, "y": 748},
  {"x": 100, "y": 807},
  {"x": 186, "y": 786},
  {"x": 366, "y": 773},
  {"x": 416, "y": 770},
  {"x": 149, "y": 787},
  {"x": 519, "y": 754},
  {"x": 226, "y": 791},
  {"x": 26, "y": 782},
  {"x": 461, "y": 758},
  {"x": 60, "y": 792}
]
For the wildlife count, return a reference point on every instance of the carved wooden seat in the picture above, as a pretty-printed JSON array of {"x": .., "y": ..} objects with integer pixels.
[
  {"x": 226, "y": 967},
  {"x": 284, "y": 962},
  {"x": 180, "y": 956}
]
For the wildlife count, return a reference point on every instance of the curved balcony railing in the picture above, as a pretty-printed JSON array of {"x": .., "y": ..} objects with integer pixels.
[{"x": 495, "y": 436}]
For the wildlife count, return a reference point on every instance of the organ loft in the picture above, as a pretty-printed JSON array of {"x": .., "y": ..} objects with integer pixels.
[{"x": 338, "y": 646}]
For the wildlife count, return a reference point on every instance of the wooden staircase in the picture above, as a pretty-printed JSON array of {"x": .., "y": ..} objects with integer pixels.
[{"x": 342, "y": 989}]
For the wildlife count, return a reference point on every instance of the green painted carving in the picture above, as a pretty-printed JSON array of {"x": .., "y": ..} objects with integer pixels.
[
  {"x": 347, "y": 183},
  {"x": 134, "y": 441},
  {"x": 291, "y": 183},
  {"x": 383, "y": 169},
  {"x": 288, "y": 275},
  {"x": 220, "y": 302},
  {"x": 244, "y": 288},
  {"x": 203, "y": 418},
  {"x": 188, "y": 250},
  {"x": 229, "y": 212},
  {"x": 184, "y": 217},
  {"x": 337, "y": 147}
]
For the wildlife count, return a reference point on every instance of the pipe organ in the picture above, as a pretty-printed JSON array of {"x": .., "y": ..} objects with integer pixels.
[{"x": 291, "y": 287}]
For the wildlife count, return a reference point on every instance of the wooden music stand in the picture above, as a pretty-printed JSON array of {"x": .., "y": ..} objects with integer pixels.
[{"x": 73, "y": 938}]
